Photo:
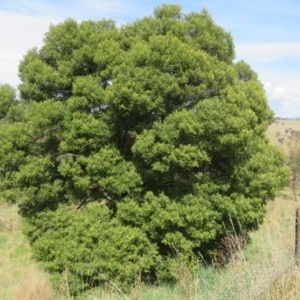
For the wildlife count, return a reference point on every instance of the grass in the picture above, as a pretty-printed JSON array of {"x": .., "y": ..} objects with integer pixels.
[
  {"x": 20, "y": 277},
  {"x": 276, "y": 131},
  {"x": 265, "y": 273},
  {"x": 269, "y": 255}
]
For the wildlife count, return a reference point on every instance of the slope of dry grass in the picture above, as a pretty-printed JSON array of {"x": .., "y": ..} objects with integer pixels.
[
  {"x": 20, "y": 277},
  {"x": 276, "y": 131}
]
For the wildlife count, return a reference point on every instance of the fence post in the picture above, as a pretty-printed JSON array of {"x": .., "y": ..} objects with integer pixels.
[{"x": 297, "y": 237}]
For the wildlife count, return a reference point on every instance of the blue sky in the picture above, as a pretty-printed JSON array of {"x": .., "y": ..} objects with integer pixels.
[{"x": 266, "y": 35}]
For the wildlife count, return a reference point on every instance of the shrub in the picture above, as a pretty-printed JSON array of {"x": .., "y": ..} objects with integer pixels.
[{"x": 90, "y": 247}]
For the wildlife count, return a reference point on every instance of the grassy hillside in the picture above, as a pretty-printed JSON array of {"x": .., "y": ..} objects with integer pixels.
[
  {"x": 268, "y": 257},
  {"x": 20, "y": 277},
  {"x": 277, "y": 131}
]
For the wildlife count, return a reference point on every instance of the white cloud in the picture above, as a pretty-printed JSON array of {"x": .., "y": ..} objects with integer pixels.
[
  {"x": 18, "y": 34},
  {"x": 23, "y": 24},
  {"x": 80, "y": 9},
  {"x": 268, "y": 52},
  {"x": 284, "y": 95},
  {"x": 276, "y": 65},
  {"x": 279, "y": 92},
  {"x": 267, "y": 84}
]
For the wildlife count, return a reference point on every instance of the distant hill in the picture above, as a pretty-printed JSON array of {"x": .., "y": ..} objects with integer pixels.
[{"x": 282, "y": 118}]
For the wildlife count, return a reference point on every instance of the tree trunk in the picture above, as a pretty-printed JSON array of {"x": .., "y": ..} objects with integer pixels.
[{"x": 294, "y": 185}]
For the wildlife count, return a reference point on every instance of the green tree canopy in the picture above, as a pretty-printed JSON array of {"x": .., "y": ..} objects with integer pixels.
[
  {"x": 7, "y": 99},
  {"x": 148, "y": 135}
]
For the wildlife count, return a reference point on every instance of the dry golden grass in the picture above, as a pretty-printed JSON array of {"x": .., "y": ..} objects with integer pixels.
[
  {"x": 269, "y": 257},
  {"x": 280, "y": 128},
  {"x": 20, "y": 277},
  {"x": 14, "y": 254},
  {"x": 287, "y": 287},
  {"x": 280, "y": 222},
  {"x": 34, "y": 286}
]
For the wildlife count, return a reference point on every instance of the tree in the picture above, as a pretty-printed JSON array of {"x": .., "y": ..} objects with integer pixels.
[
  {"x": 244, "y": 71},
  {"x": 7, "y": 99},
  {"x": 294, "y": 164},
  {"x": 281, "y": 140},
  {"x": 148, "y": 135},
  {"x": 287, "y": 131}
]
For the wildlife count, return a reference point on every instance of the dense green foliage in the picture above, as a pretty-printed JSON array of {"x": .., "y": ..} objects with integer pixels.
[
  {"x": 131, "y": 145},
  {"x": 7, "y": 99}
]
